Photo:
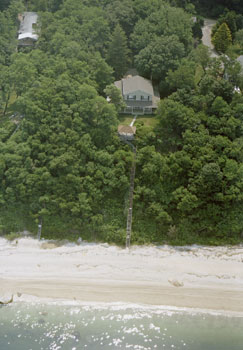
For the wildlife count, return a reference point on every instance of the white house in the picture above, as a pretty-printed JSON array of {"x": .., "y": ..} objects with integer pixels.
[
  {"x": 27, "y": 34},
  {"x": 138, "y": 94}
]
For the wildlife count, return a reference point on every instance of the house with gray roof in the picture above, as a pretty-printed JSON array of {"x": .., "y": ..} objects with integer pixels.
[
  {"x": 138, "y": 94},
  {"x": 27, "y": 34}
]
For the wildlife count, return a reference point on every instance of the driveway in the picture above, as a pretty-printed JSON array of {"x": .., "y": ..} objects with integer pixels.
[{"x": 206, "y": 39}]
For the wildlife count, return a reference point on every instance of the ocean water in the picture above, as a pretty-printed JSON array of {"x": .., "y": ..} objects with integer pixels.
[{"x": 43, "y": 326}]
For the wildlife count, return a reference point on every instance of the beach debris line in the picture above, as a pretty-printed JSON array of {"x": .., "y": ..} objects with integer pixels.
[{"x": 176, "y": 283}]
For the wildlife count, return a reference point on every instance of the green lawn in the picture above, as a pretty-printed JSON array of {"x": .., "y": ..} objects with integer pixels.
[
  {"x": 125, "y": 119},
  {"x": 148, "y": 120}
]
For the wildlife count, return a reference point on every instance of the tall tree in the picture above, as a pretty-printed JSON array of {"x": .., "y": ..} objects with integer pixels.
[
  {"x": 229, "y": 17},
  {"x": 122, "y": 12},
  {"x": 118, "y": 52},
  {"x": 222, "y": 39},
  {"x": 163, "y": 22},
  {"x": 183, "y": 77},
  {"x": 159, "y": 56}
]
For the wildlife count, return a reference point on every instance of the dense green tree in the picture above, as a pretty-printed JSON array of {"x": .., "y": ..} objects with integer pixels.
[
  {"x": 118, "y": 53},
  {"x": 159, "y": 56},
  {"x": 222, "y": 39},
  {"x": 44, "y": 5},
  {"x": 239, "y": 36},
  {"x": 15, "y": 7},
  {"x": 121, "y": 12},
  {"x": 74, "y": 22},
  {"x": 197, "y": 27},
  {"x": 230, "y": 19},
  {"x": 196, "y": 189},
  {"x": 22, "y": 73},
  {"x": 8, "y": 30},
  {"x": 64, "y": 161},
  {"x": 115, "y": 96},
  {"x": 217, "y": 7},
  {"x": 143, "y": 9},
  {"x": 183, "y": 77},
  {"x": 201, "y": 55},
  {"x": 232, "y": 71},
  {"x": 6, "y": 88},
  {"x": 163, "y": 22},
  {"x": 174, "y": 120}
]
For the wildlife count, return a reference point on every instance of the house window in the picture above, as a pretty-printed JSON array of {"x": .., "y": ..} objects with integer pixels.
[
  {"x": 148, "y": 98},
  {"x": 131, "y": 97},
  {"x": 142, "y": 98}
]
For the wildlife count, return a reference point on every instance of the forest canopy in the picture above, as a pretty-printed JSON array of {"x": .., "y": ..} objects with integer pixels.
[{"x": 62, "y": 162}]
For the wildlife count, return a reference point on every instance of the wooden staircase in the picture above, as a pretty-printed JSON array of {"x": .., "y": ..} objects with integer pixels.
[{"x": 131, "y": 191}]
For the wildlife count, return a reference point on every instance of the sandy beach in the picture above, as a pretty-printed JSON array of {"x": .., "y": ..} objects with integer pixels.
[{"x": 209, "y": 278}]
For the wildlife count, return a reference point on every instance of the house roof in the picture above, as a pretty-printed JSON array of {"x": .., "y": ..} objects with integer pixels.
[
  {"x": 131, "y": 84},
  {"x": 118, "y": 84},
  {"x": 126, "y": 129},
  {"x": 28, "y": 35},
  {"x": 26, "y": 26},
  {"x": 240, "y": 59}
]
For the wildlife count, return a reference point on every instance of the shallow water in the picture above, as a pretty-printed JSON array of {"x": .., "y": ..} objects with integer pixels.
[{"x": 38, "y": 326}]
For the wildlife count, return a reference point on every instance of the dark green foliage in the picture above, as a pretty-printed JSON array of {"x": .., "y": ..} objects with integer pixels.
[
  {"x": 230, "y": 19},
  {"x": 115, "y": 97},
  {"x": 160, "y": 41},
  {"x": 201, "y": 56},
  {"x": 190, "y": 183},
  {"x": 118, "y": 53},
  {"x": 64, "y": 162},
  {"x": 183, "y": 77},
  {"x": 217, "y": 7},
  {"x": 198, "y": 23},
  {"x": 61, "y": 160},
  {"x": 163, "y": 22},
  {"x": 239, "y": 37},
  {"x": 8, "y": 29},
  {"x": 121, "y": 12},
  {"x": 159, "y": 56},
  {"x": 44, "y": 5},
  {"x": 4, "y": 4}
]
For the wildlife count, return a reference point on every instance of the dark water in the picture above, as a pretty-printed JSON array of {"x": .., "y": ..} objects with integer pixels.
[{"x": 27, "y": 326}]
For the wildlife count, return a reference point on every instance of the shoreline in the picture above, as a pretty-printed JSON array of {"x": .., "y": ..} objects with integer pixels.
[
  {"x": 191, "y": 278},
  {"x": 223, "y": 302}
]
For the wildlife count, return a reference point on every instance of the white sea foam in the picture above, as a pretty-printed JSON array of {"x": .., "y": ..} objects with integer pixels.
[{"x": 138, "y": 310}]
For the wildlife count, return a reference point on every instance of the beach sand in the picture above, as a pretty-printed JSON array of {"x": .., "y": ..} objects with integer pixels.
[{"x": 209, "y": 278}]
